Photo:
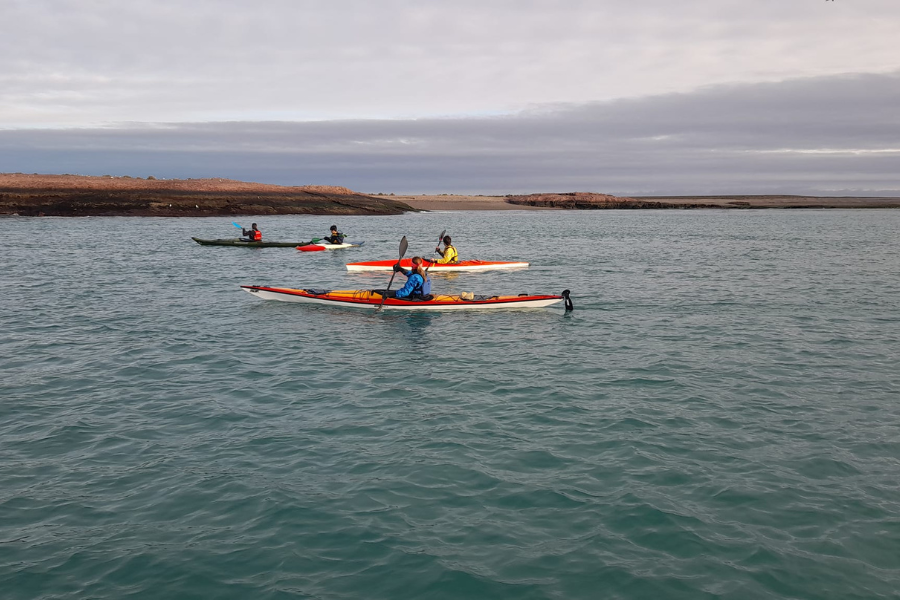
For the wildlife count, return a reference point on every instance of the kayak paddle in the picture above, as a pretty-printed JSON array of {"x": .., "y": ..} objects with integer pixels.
[
  {"x": 403, "y": 246},
  {"x": 440, "y": 237},
  {"x": 236, "y": 225}
]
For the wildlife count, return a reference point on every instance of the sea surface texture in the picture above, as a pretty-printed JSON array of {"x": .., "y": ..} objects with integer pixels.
[{"x": 718, "y": 418}]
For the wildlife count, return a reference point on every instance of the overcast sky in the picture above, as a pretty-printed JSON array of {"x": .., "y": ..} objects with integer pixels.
[{"x": 617, "y": 96}]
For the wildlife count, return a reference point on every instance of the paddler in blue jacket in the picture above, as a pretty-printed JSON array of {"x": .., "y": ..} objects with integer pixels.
[{"x": 418, "y": 285}]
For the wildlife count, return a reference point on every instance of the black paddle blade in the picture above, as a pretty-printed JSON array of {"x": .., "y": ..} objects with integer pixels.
[
  {"x": 403, "y": 246},
  {"x": 568, "y": 301}
]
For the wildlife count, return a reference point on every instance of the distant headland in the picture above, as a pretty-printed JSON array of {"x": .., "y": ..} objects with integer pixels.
[{"x": 78, "y": 195}]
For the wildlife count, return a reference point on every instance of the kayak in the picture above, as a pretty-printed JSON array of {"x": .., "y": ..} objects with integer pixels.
[
  {"x": 371, "y": 299},
  {"x": 326, "y": 246},
  {"x": 463, "y": 265},
  {"x": 239, "y": 242}
]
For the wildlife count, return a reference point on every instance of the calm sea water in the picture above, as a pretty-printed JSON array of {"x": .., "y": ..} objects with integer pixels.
[{"x": 719, "y": 417}]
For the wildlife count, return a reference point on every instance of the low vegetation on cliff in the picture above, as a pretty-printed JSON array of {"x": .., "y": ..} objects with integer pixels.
[{"x": 76, "y": 195}]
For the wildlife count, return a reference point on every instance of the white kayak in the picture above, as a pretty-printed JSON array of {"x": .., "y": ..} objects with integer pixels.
[
  {"x": 319, "y": 246},
  {"x": 372, "y": 299},
  {"x": 463, "y": 265}
]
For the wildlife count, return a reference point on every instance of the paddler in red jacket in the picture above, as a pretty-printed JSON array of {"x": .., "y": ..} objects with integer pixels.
[{"x": 253, "y": 235}]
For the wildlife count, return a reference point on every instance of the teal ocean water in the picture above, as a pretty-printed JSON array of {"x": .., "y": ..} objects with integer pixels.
[{"x": 718, "y": 418}]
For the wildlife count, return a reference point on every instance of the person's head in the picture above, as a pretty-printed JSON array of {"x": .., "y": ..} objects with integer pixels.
[
  {"x": 417, "y": 265},
  {"x": 447, "y": 240},
  {"x": 253, "y": 226},
  {"x": 334, "y": 228}
]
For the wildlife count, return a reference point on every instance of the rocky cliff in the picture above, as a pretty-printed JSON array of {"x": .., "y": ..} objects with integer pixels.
[{"x": 76, "y": 195}]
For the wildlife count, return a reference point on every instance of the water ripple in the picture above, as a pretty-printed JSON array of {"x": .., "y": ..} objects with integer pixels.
[{"x": 718, "y": 417}]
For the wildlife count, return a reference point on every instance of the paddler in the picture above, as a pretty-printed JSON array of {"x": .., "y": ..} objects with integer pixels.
[
  {"x": 253, "y": 235},
  {"x": 335, "y": 236},
  {"x": 448, "y": 254},
  {"x": 418, "y": 284}
]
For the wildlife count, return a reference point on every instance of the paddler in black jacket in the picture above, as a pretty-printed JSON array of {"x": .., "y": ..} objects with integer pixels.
[
  {"x": 253, "y": 234},
  {"x": 336, "y": 237}
]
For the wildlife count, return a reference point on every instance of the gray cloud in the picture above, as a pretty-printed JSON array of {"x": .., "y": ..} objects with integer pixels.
[
  {"x": 77, "y": 63},
  {"x": 831, "y": 135}
]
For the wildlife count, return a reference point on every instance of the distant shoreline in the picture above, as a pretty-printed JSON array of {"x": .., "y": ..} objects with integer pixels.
[
  {"x": 76, "y": 195},
  {"x": 559, "y": 202}
]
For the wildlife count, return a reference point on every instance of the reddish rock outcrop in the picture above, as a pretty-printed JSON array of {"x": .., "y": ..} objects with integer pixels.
[
  {"x": 76, "y": 195},
  {"x": 588, "y": 200}
]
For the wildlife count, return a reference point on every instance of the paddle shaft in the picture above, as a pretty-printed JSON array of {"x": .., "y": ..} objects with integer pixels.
[
  {"x": 440, "y": 239},
  {"x": 403, "y": 246}
]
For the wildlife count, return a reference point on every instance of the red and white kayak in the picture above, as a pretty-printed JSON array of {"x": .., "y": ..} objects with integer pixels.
[
  {"x": 372, "y": 299},
  {"x": 319, "y": 246},
  {"x": 463, "y": 265}
]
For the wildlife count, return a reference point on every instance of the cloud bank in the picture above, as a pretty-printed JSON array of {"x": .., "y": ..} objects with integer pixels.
[
  {"x": 79, "y": 63},
  {"x": 833, "y": 135}
]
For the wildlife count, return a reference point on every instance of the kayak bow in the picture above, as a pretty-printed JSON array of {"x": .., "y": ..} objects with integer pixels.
[{"x": 372, "y": 299}]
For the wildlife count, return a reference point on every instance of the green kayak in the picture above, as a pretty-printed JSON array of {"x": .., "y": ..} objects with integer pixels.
[{"x": 264, "y": 244}]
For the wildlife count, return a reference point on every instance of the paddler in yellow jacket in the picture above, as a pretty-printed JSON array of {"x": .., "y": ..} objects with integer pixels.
[{"x": 448, "y": 254}]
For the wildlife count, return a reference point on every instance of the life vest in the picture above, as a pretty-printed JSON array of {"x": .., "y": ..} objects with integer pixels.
[
  {"x": 257, "y": 235},
  {"x": 450, "y": 254},
  {"x": 421, "y": 288},
  {"x": 417, "y": 287}
]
